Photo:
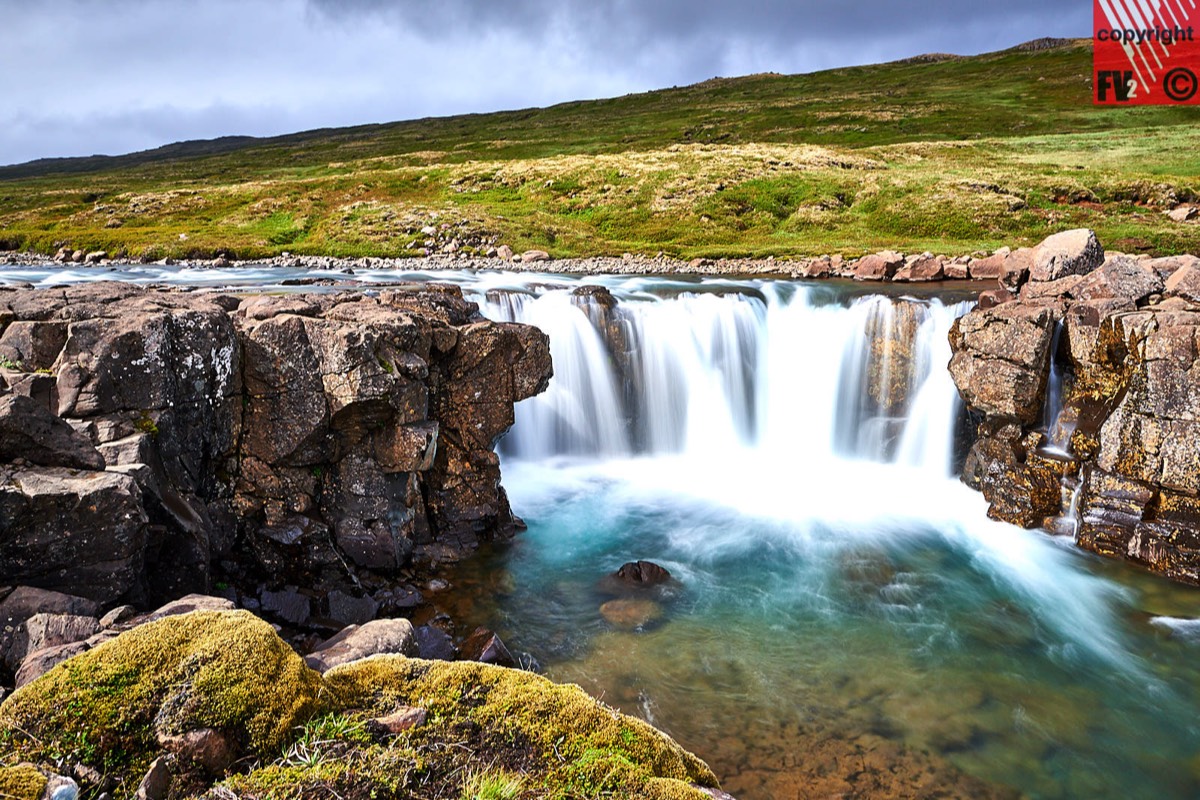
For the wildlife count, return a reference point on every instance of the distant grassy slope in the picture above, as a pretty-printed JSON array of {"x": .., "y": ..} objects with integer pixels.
[{"x": 948, "y": 155}]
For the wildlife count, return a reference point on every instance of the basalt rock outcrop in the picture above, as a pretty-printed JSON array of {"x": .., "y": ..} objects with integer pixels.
[
  {"x": 1122, "y": 335},
  {"x": 153, "y": 442}
]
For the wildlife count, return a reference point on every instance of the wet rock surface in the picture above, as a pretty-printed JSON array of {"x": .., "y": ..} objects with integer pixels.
[{"x": 1129, "y": 351}]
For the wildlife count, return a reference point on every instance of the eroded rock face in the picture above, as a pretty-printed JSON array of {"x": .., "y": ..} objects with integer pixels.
[
  {"x": 1000, "y": 359},
  {"x": 315, "y": 439},
  {"x": 1130, "y": 358}
]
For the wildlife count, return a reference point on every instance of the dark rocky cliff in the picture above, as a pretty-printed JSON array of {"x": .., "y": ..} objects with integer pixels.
[
  {"x": 155, "y": 442},
  {"x": 1127, "y": 344}
]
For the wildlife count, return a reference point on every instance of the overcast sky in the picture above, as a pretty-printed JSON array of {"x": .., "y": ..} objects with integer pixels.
[{"x": 79, "y": 77}]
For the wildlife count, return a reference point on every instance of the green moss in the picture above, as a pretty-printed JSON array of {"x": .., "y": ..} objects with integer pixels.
[
  {"x": 488, "y": 732},
  {"x": 146, "y": 425},
  {"x": 22, "y": 782},
  {"x": 224, "y": 670},
  {"x": 581, "y": 745}
]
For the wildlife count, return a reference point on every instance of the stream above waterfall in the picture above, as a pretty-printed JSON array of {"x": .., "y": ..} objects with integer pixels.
[{"x": 845, "y": 620}]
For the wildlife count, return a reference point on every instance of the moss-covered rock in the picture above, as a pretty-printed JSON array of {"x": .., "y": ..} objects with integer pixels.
[
  {"x": 105, "y": 709},
  {"x": 22, "y": 782},
  {"x": 113, "y": 709},
  {"x": 569, "y": 743}
]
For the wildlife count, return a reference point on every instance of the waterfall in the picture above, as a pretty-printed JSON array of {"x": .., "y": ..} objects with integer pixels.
[
  {"x": 1058, "y": 421},
  {"x": 776, "y": 370}
]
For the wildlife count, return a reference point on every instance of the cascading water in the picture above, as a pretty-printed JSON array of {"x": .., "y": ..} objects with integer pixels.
[
  {"x": 786, "y": 451},
  {"x": 717, "y": 374}
]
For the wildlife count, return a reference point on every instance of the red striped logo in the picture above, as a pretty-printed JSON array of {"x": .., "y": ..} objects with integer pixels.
[{"x": 1146, "y": 52}]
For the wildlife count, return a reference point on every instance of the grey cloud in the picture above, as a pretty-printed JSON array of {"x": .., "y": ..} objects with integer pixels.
[{"x": 79, "y": 77}]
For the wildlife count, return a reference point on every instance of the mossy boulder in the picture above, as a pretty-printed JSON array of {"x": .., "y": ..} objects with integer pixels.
[
  {"x": 227, "y": 675},
  {"x": 568, "y": 743},
  {"x": 22, "y": 782},
  {"x": 107, "y": 708}
]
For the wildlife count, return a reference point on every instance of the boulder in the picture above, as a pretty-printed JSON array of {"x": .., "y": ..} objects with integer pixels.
[
  {"x": 435, "y": 643},
  {"x": 25, "y": 601},
  {"x": 989, "y": 268},
  {"x": 1120, "y": 278},
  {"x": 33, "y": 345},
  {"x": 990, "y": 298},
  {"x": 43, "y": 631},
  {"x": 486, "y": 647},
  {"x": 214, "y": 687},
  {"x": 956, "y": 270},
  {"x": 39, "y": 662},
  {"x": 29, "y": 431},
  {"x": 881, "y": 266},
  {"x": 631, "y": 613},
  {"x": 922, "y": 268},
  {"x": 1074, "y": 252},
  {"x": 530, "y": 256},
  {"x": 402, "y": 719},
  {"x": 212, "y": 750},
  {"x": 72, "y": 531},
  {"x": 1168, "y": 265},
  {"x": 642, "y": 574},
  {"x": 1183, "y": 213},
  {"x": 361, "y": 641},
  {"x": 1184, "y": 282},
  {"x": 1001, "y": 357},
  {"x": 348, "y": 609},
  {"x": 288, "y": 604},
  {"x": 156, "y": 784},
  {"x": 1016, "y": 268},
  {"x": 191, "y": 603}
]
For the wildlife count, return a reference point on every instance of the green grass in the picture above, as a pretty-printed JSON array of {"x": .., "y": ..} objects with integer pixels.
[
  {"x": 951, "y": 156},
  {"x": 492, "y": 785}
]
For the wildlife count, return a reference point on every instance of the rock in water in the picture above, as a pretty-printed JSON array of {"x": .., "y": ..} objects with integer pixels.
[
  {"x": 642, "y": 573},
  {"x": 631, "y": 613}
]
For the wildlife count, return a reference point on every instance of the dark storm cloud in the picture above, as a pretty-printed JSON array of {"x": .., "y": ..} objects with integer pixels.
[{"x": 79, "y": 77}]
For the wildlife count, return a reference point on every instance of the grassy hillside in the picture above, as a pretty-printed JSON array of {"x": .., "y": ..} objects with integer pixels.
[{"x": 948, "y": 154}]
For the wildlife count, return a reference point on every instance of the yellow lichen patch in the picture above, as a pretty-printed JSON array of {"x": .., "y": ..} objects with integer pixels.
[
  {"x": 223, "y": 670},
  {"x": 22, "y": 782},
  {"x": 581, "y": 744}
]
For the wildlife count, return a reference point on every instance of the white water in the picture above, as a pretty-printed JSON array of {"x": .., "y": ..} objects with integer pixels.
[
  {"x": 760, "y": 404},
  {"x": 707, "y": 375}
]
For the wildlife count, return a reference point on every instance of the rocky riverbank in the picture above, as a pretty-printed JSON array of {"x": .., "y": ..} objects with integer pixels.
[
  {"x": 311, "y": 457},
  {"x": 884, "y": 266},
  {"x": 1113, "y": 454}
]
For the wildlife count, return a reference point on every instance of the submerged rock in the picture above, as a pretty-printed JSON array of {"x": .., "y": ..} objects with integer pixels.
[
  {"x": 642, "y": 573},
  {"x": 631, "y": 613},
  {"x": 486, "y": 647}
]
